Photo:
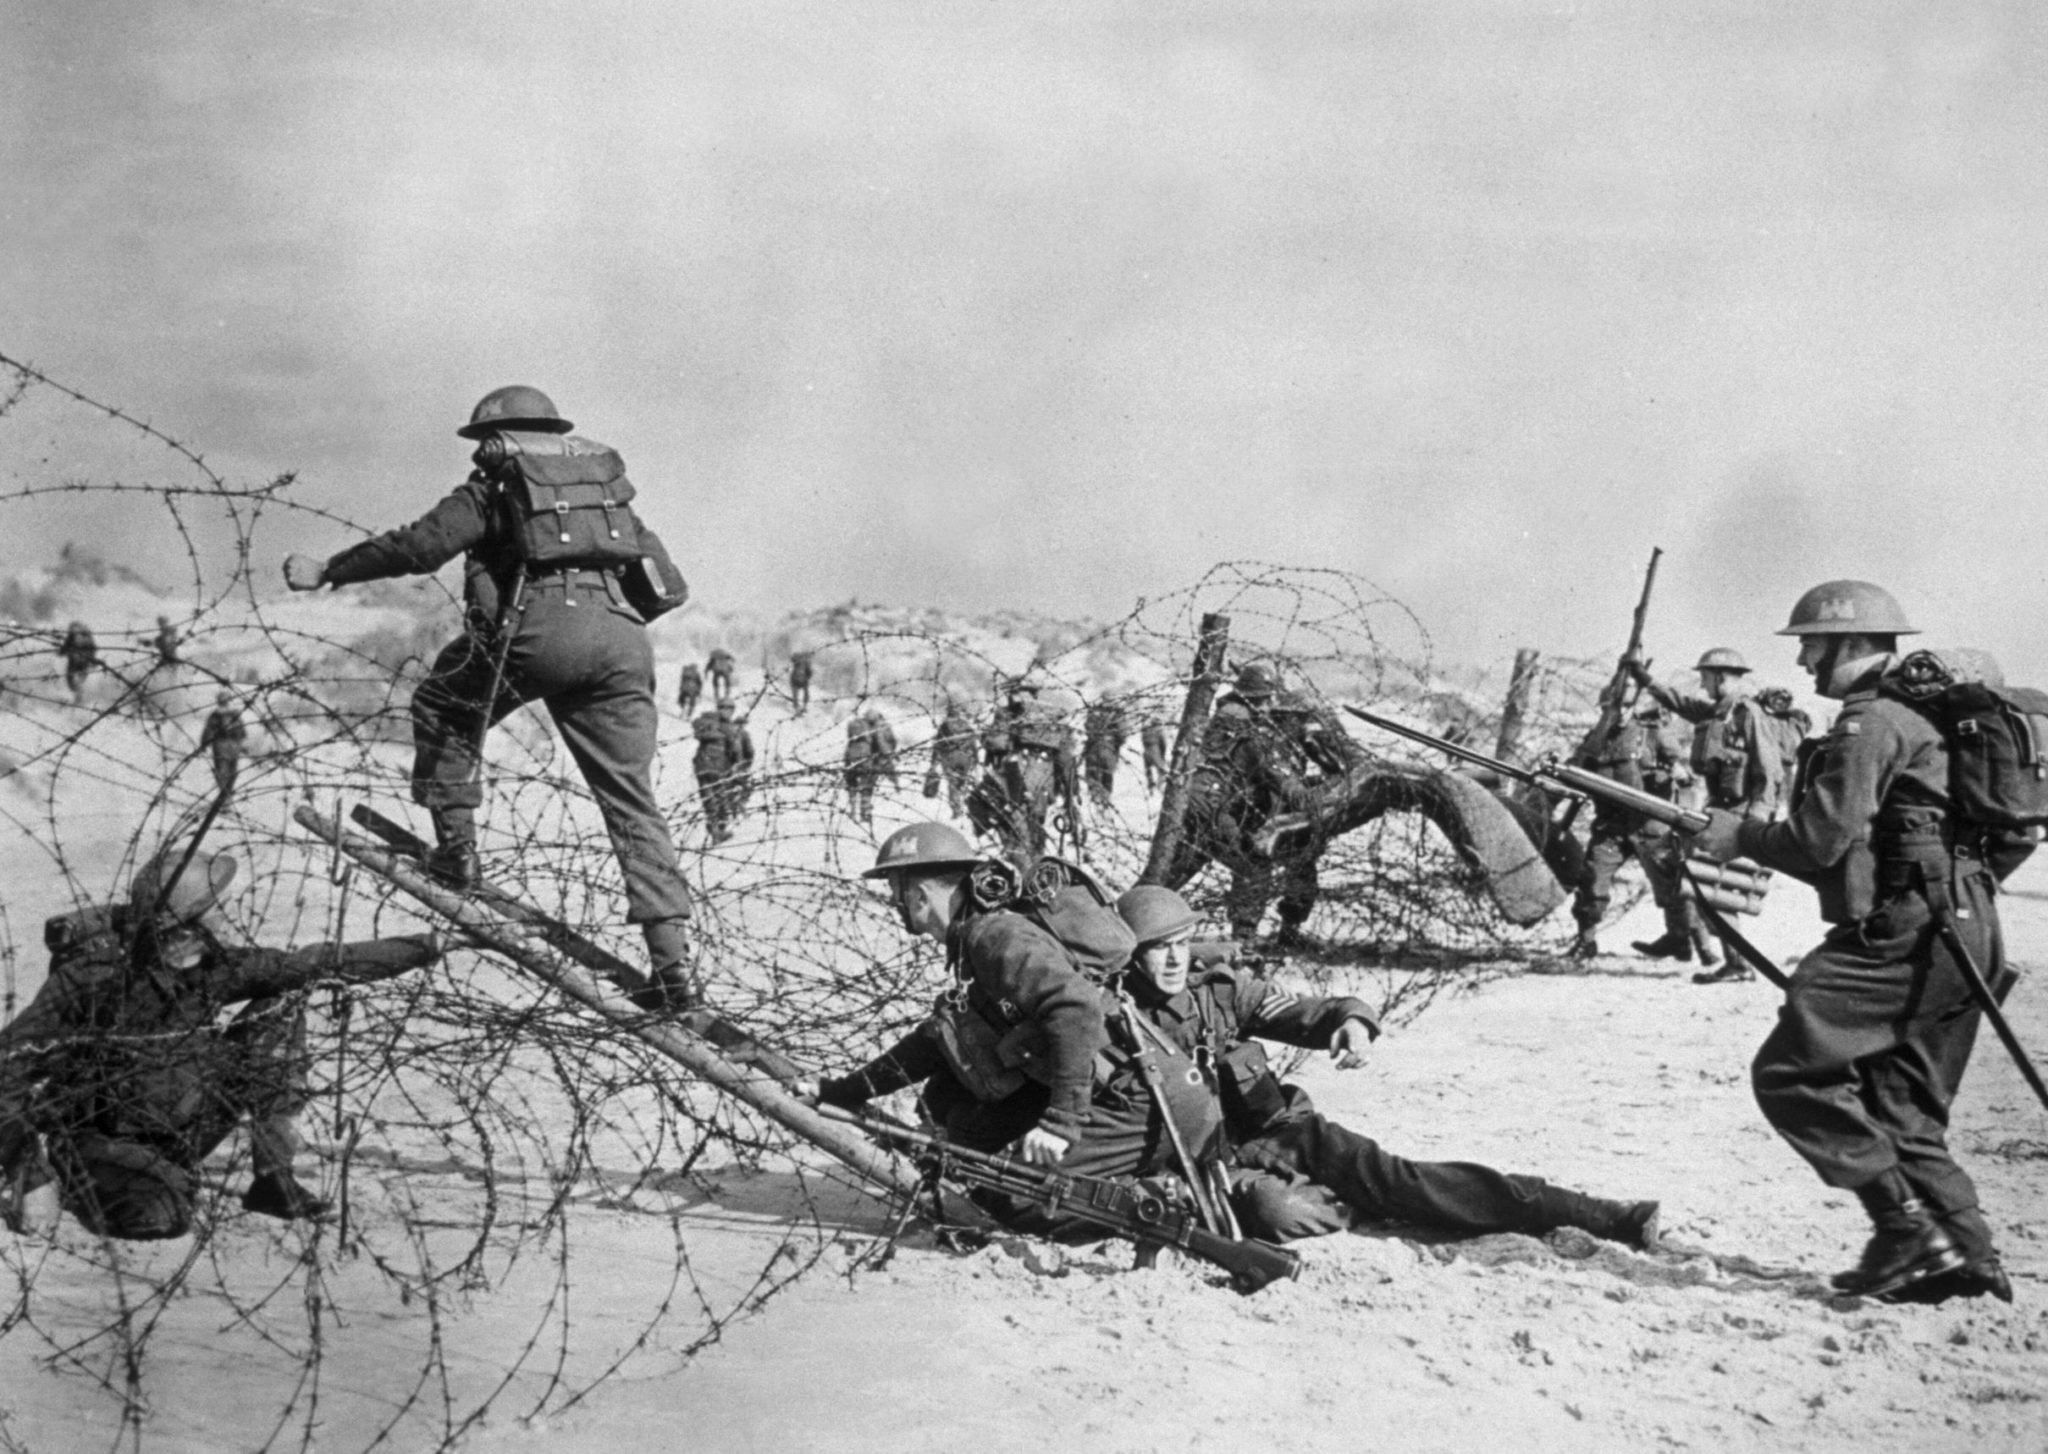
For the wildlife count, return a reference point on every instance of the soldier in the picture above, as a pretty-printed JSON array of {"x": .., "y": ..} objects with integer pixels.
[
  {"x": 1301, "y": 1174},
  {"x": 115, "y": 1083},
  {"x": 81, "y": 654},
  {"x": 953, "y": 758},
  {"x": 1158, "y": 754},
  {"x": 1877, "y": 1027},
  {"x": 1009, "y": 1052},
  {"x": 167, "y": 642},
  {"x": 861, "y": 765},
  {"x": 226, "y": 738},
  {"x": 800, "y": 681},
  {"x": 689, "y": 688},
  {"x": 1107, "y": 729},
  {"x": 1617, "y": 835},
  {"x": 1735, "y": 757},
  {"x": 1251, "y": 769},
  {"x": 542, "y": 622},
  {"x": 720, "y": 667},
  {"x": 1026, "y": 752},
  {"x": 718, "y": 765}
]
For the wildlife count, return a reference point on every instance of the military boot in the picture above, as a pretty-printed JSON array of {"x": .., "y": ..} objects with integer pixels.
[
  {"x": 1668, "y": 945},
  {"x": 1633, "y": 1224},
  {"x": 1907, "y": 1245},
  {"x": 452, "y": 862},
  {"x": 279, "y": 1194},
  {"x": 1733, "y": 972},
  {"x": 668, "y": 951},
  {"x": 1585, "y": 946},
  {"x": 1984, "y": 1277}
]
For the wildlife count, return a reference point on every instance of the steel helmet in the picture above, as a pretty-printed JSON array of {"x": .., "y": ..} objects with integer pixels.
[
  {"x": 224, "y": 697},
  {"x": 198, "y": 888},
  {"x": 1155, "y": 912},
  {"x": 1256, "y": 679},
  {"x": 1721, "y": 658},
  {"x": 922, "y": 845},
  {"x": 1848, "y": 608},
  {"x": 516, "y": 406}
]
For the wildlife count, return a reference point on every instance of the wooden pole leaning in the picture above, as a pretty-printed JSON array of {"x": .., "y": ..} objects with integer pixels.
[
  {"x": 699, "y": 1057},
  {"x": 1210, "y": 650}
]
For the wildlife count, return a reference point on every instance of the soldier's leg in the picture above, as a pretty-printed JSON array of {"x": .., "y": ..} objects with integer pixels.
[
  {"x": 122, "y": 1188},
  {"x": 1458, "y": 1196},
  {"x": 267, "y": 1075},
  {"x": 449, "y": 711},
  {"x": 1038, "y": 783},
  {"x": 1605, "y": 853},
  {"x": 1299, "y": 890}
]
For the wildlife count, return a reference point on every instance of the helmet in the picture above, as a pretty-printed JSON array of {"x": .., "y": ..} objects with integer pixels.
[
  {"x": 514, "y": 407},
  {"x": 1155, "y": 912},
  {"x": 1848, "y": 608},
  {"x": 1256, "y": 679},
  {"x": 726, "y": 707},
  {"x": 224, "y": 697},
  {"x": 922, "y": 845},
  {"x": 1721, "y": 658},
  {"x": 198, "y": 888}
]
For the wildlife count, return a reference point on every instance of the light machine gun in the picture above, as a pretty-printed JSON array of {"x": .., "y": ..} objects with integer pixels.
[{"x": 1139, "y": 1211}]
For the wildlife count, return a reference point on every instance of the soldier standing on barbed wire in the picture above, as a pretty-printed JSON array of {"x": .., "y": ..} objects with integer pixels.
[
  {"x": 689, "y": 689},
  {"x": 1878, "y": 1023},
  {"x": 1735, "y": 757},
  {"x": 557, "y": 586}
]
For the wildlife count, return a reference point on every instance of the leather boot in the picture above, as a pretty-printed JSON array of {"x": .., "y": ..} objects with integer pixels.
[
  {"x": 1584, "y": 947},
  {"x": 1633, "y": 1224},
  {"x": 1733, "y": 972},
  {"x": 668, "y": 951},
  {"x": 279, "y": 1194},
  {"x": 1665, "y": 946},
  {"x": 1907, "y": 1244},
  {"x": 1983, "y": 1277},
  {"x": 452, "y": 862}
]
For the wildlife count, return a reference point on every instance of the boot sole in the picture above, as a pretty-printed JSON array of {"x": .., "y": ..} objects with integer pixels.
[{"x": 1905, "y": 1277}]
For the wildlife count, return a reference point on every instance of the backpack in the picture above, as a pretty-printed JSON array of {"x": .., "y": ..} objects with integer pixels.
[
  {"x": 1789, "y": 724},
  {"x": 1997, "y": 736},
  {"x": 569, "y": 504},
  {"x": 1069, "y": 903}
]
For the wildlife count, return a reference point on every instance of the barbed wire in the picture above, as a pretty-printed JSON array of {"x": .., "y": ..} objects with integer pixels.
[{"x": 466, "y": 1124}]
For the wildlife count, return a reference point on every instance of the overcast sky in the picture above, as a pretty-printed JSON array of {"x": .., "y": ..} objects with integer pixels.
[{"x": 979, "y": 304}]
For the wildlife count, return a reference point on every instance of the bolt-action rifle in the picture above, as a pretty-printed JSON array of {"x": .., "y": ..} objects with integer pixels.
[
  {"x": 1618, "y": 697},
  {"x": 1136, "y": 1210}
]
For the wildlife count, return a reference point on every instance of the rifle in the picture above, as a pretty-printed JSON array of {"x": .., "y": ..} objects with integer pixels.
[
  {"x": 1577, "y": 780},
  {"x": 1140, "y": 1211},
  {"x": 1618, "y": 697}
]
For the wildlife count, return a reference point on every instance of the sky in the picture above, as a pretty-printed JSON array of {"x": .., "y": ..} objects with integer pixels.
[{"x": 1051, "y": 306}]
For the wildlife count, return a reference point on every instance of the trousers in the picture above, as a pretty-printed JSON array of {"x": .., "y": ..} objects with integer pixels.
[{"x": 578, "y": 649}]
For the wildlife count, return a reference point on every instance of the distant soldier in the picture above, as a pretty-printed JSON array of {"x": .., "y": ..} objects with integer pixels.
[
  {"x": 1104, "y": 734},
  {"x": 800, "y": 681},
  {"x": 1158, "y": 754},
  {"x": 740, "y": 781},
  {"x": 716, "y": 764},
  {"x": 226, "y": 738},
  {"x": 81, "y": 654},
  {"x": 116, "y": 1082},
  {"x": 1618, "y": 835},
  {"x": 1735, "y": 758},
  {"x": 1868, "y": 1051},
  {"x": 555, "y": 560},
  {"x": 720, "y": 668},
  {"x": 689, "y": 689},
  {"x": 167, "y": 642},
  {"x": 861, "y": 765},
  {"x": 1026, "y": 752},
  {"x": 954, "y": 758}
]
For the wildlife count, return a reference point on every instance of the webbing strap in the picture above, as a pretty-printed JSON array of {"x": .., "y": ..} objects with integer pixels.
[{"x": 1943, "y": 905}]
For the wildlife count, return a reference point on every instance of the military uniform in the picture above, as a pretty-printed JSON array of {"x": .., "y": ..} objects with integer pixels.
[
  {"x": 1300, "y": 1173},
  {"x": 167, "y": 642},
  {"x": 800, "y": 682},
  {"x": 1641, "y": 750},
  {"x": 953, "y": 759},
  {"x": 862, "y": 764},
  {"x": 1251, "y": 769},
  {"x": 1735, "y": 753},
  {"x": 689, "y": 689},
  {"x": 1158, "y": 755},
  {"x": 117, "y": 1068},
  {"x": 81, "y": 654},
  {"x": 1102, "y": 745},
  {"x": 225, "y": 738},
  {"x": 575, "y": 644},
  {"x": 1028, "y": 757},
  {"x": 1875, "y": 1033},
  {"x": 723, "y": 762},
  {"x": 720, "y": 666}
]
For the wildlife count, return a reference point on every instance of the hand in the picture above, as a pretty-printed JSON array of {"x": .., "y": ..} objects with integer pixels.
[
  {"x": 1638, "y": 669},
  {"x": 805, "y": 1091},
  {"x": 1349, "y": 1044},
  {"x": 1042, "y": 1148},
  {"x": 1717, "y": 840},
  {"x": 304, "y": 573}
]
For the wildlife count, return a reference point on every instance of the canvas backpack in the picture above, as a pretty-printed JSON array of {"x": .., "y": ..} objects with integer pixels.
[
  {"x": 1997, "y": 736},
  {"x": 568, "y": 504}
]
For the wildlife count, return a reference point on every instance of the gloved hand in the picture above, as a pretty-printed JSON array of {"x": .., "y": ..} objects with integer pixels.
[
  {"x": 304, "y": 572},
  {"x": 848, "y": 1092},
  {"x": 1717, "y": 840}
]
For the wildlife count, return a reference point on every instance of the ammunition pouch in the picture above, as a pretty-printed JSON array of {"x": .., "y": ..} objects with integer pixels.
[
  {"x": 1252, "y": 1097},
  {"x": 991, "y": 1062}
]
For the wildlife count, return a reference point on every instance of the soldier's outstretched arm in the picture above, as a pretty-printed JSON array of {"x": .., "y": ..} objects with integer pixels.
[
  {"x": 457, "y": 523},
  {"x": 247, "y": 974}
]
